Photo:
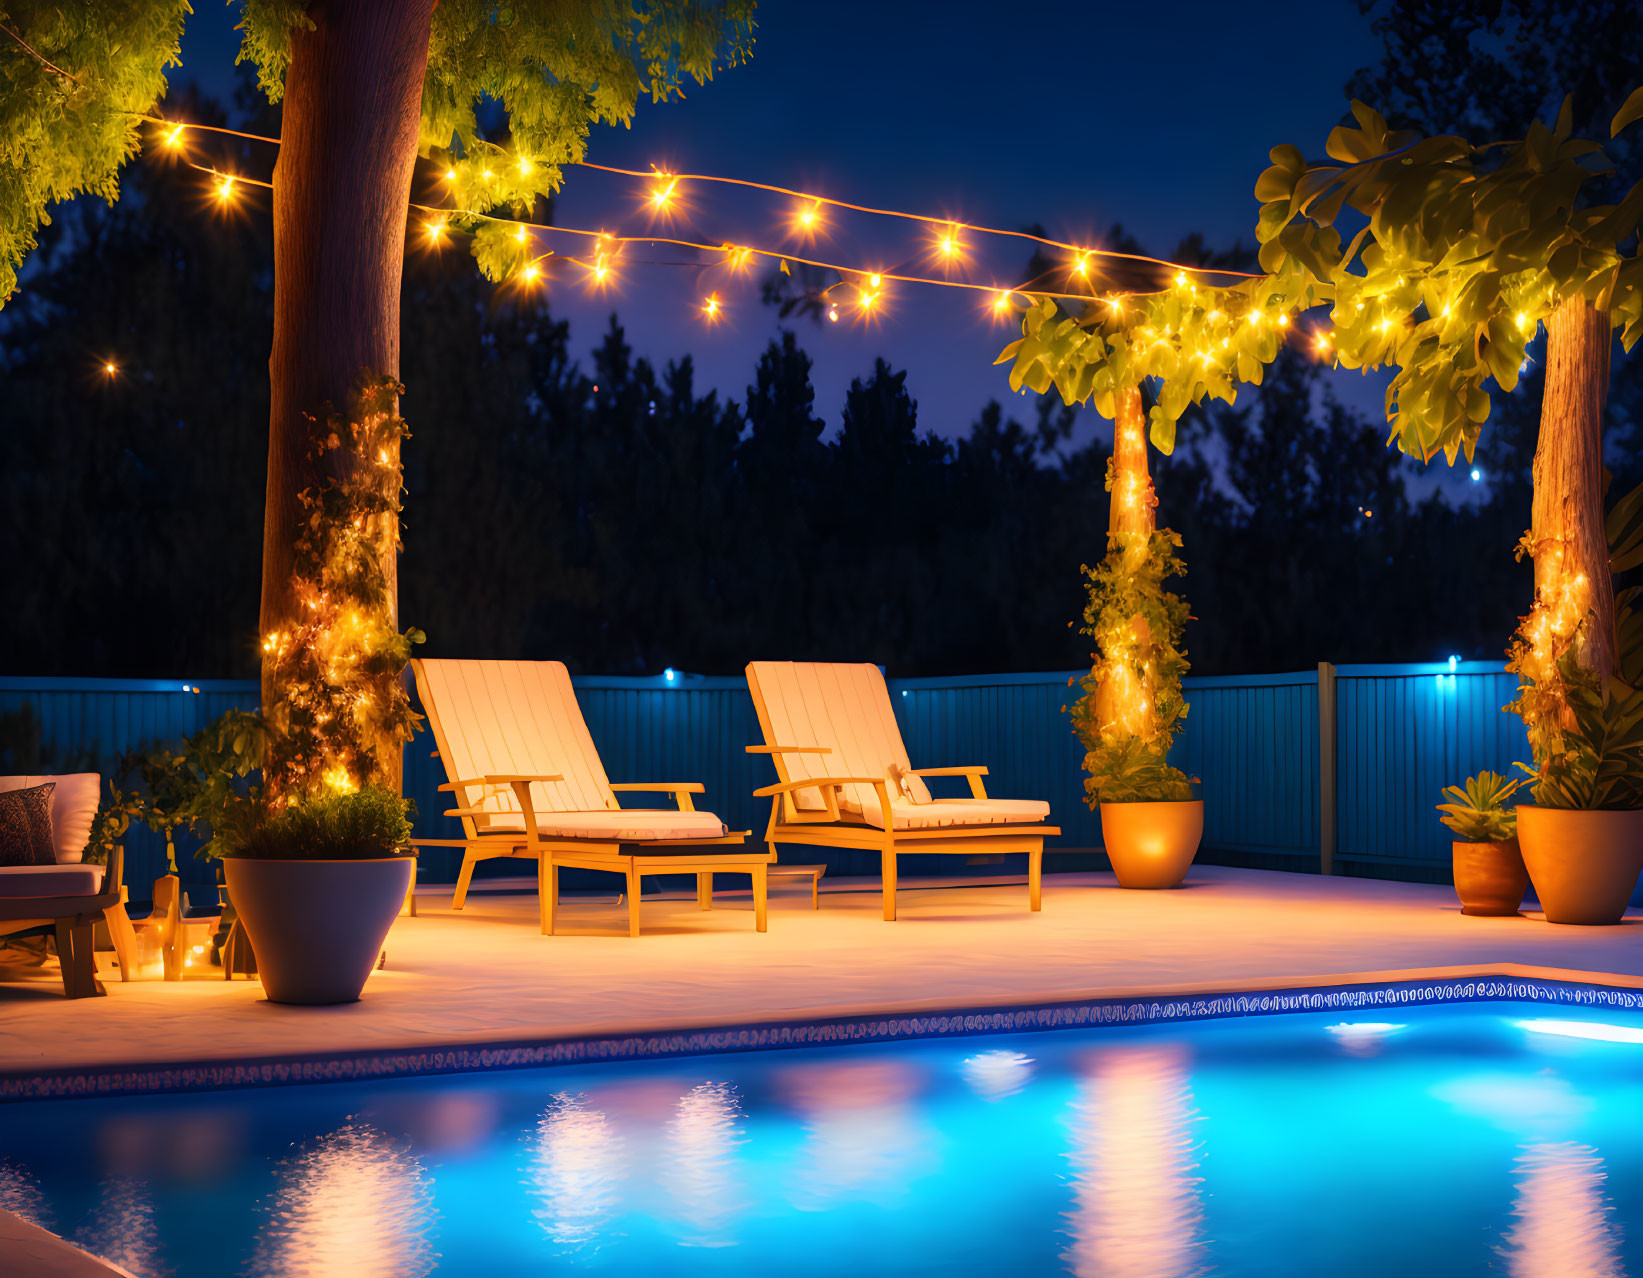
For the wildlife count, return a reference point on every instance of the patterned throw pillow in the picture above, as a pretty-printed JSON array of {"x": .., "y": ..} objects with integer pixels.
[{"x": 25, "y": 826}]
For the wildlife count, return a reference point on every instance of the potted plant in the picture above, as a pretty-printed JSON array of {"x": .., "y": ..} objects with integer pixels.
[
  {"x": 318, "y": 882},
  {"x": 1582, "y": 838},
  {"x": 1151, "y": 823},
  {"x": 1489, "y": 874},
  {"x": 1132, "y": 708}
]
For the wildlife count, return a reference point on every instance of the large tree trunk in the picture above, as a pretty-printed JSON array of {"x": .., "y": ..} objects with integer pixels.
[
  {"x": 1134, "y": 503},
  {"x": 1125, "y": 700},
  {"x": 1571, "y": 552},
  {"x": 348, "y": 144}
]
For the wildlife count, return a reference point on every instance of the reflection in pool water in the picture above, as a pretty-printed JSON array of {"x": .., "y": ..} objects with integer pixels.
[
  {"x": 353, "y": 1204},
  {"x": 1561, "y": 1225},
  {"x": 700, "y": 1173},
  {"x": 1451, "y": 1141},
  {"x": 1135, "y": 1198},
  {"x": 576, "y": 1171}
]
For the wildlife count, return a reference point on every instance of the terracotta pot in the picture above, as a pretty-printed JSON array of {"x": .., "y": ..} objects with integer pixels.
[
  {"x": 1151, "y": 845},
  {"x": 1583, "y": 864},
  {"x": 317, "y": 926},
  {"x": 1489, "y": 877}
]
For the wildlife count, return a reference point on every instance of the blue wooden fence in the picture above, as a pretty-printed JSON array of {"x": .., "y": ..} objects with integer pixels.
[{"x": 1401, "y": 733}]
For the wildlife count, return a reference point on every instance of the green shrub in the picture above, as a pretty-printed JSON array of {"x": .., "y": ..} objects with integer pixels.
[{"x": 332, "y": 826}]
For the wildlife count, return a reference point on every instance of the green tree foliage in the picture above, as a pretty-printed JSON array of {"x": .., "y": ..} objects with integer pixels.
[
  {"x": 1468, "y": 248},
  {"x": 74, "y": 79}
]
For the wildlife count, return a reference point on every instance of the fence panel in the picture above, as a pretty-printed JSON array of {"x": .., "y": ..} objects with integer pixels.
[
  {"x": 1403, "y": 732},
  {"x": 1407, "y": 731}
]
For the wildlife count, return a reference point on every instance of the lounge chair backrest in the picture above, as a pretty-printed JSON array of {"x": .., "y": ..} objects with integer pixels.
[
  {"x": 843, "y": 707},
  {"x": 512, "y": 717}
]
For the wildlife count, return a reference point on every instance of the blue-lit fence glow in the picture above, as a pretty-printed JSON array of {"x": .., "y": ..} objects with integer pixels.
[{"x": 1402, "y": 733}]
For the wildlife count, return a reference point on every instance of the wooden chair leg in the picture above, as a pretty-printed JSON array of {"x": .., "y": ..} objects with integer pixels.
[
  {"x": 463, "y": 878},
  {"x": 889, "y": 887},
  {"x": 168, "y": 910},
  {"x": 704, "y": 890},
  {"x": 815, "y": 891},
  {"x": 547, "y": 891},
  {"x": 633, "y": 899},
  {"x": 75, "y": 956},
  {"x": 761, "y": 883},
  {"x": 1035, "y": 877},
  {"x": 124, "y": 937}
]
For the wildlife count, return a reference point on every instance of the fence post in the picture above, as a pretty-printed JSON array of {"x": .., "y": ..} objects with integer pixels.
[{"x": 1326, "y": 767}]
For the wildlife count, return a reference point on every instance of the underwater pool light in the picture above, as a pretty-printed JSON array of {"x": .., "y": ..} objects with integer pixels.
[{"x": 1595, "y": 1031}]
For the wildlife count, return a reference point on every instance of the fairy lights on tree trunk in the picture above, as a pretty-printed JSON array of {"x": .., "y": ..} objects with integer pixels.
[
  {"x": 1573, "y": 615},
  {"x": 337, "y": 712}
]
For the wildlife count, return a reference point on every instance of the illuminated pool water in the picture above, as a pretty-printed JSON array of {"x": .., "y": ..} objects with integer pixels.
[{"x": 1449, "y": 1141}]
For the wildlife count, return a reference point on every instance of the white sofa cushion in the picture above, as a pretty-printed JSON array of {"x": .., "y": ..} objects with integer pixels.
[
  {"x": 28, "y": 882},
  {"x": 637, "y": 825},
  {"x": 942, "y": 812},
  {"x": 73, "y": 805}
]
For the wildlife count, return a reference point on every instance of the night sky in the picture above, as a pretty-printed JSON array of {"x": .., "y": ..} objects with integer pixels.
[{"x": 1068, "y": 114}]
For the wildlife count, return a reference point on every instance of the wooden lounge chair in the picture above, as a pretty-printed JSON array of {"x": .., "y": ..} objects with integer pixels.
[
  {"x": 846, "y": 781},
  {"x": 66, "y": 898},
  {"x": 529, "y": 784}
]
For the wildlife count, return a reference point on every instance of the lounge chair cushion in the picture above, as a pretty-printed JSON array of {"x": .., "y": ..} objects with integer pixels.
[
  {"x": 940, "y": 812},
  {"x": 73, "y": 805},
  {"x": 515, "y": 718},
  {"x": 19, "y": 882},
  {"x": 843, "y": 707},
  {"x": 638, "y": 825}
]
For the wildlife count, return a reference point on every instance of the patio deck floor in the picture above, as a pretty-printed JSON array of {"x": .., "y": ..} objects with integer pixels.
[{"x": 486, "y": 975}]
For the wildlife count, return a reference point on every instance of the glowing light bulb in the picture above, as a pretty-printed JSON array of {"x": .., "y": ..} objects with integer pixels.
[
  {"x": 486, "y": 175},
  {"x": 875, "y": 279},
  {"x": 1180, "y": 279},
  {"x": 110, "y": 369},
  {"x": 1214, "y": 316},
  {"x": 532, "y": 272},
  {"x": 175, "y": 137},
  {"x": 711, "y": 307},
  {"x": 1082, "y": 266},
  {"x": 519, "y": 234},
  {"x": 1283, "y": 320},
  {"x": 1321, "y": 342},
  {"x": 1116, "y": 304},
  {"x": 833, "y": 314},
  {"x": 663, "y": 194},
  {"x": 1523, "y": 322},
  {"x": 867, "y": 300},
  {"x": 524, "y": 167},
  {"x": 599, "y": 269},
  {"x": 1001, "y": 302},
  {"x": 435, "y": 230},
  {"x": 450, "y": 175},
  {"x": 225, "y": 188}
]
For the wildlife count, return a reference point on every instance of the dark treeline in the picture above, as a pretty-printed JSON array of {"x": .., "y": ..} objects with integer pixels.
[{"x": 647, "y": 523}]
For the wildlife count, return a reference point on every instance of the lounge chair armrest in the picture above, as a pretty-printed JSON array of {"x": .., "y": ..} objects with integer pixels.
[
  {"x": 829, "y": 787},
  {"x": 973, "y": 772},
  {"x": 770, "y": 749},
  {"x": 813, "y": 783},
  {"x": 499, "y": 779},
  {"x": 680, "y": 790}
]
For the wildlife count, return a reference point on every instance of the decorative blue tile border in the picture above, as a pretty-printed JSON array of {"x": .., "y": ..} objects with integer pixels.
[{"x": 834, "y": 1031}]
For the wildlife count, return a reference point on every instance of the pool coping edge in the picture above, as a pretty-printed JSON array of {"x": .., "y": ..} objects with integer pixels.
[{"x": 1350, "y": 992}]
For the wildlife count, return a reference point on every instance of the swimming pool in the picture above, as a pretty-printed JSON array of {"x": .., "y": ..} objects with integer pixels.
[{"x": 1499, "y": 1138}]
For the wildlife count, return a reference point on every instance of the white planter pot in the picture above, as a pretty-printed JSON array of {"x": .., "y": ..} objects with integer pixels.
[{"x": 317, "y": 927}]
